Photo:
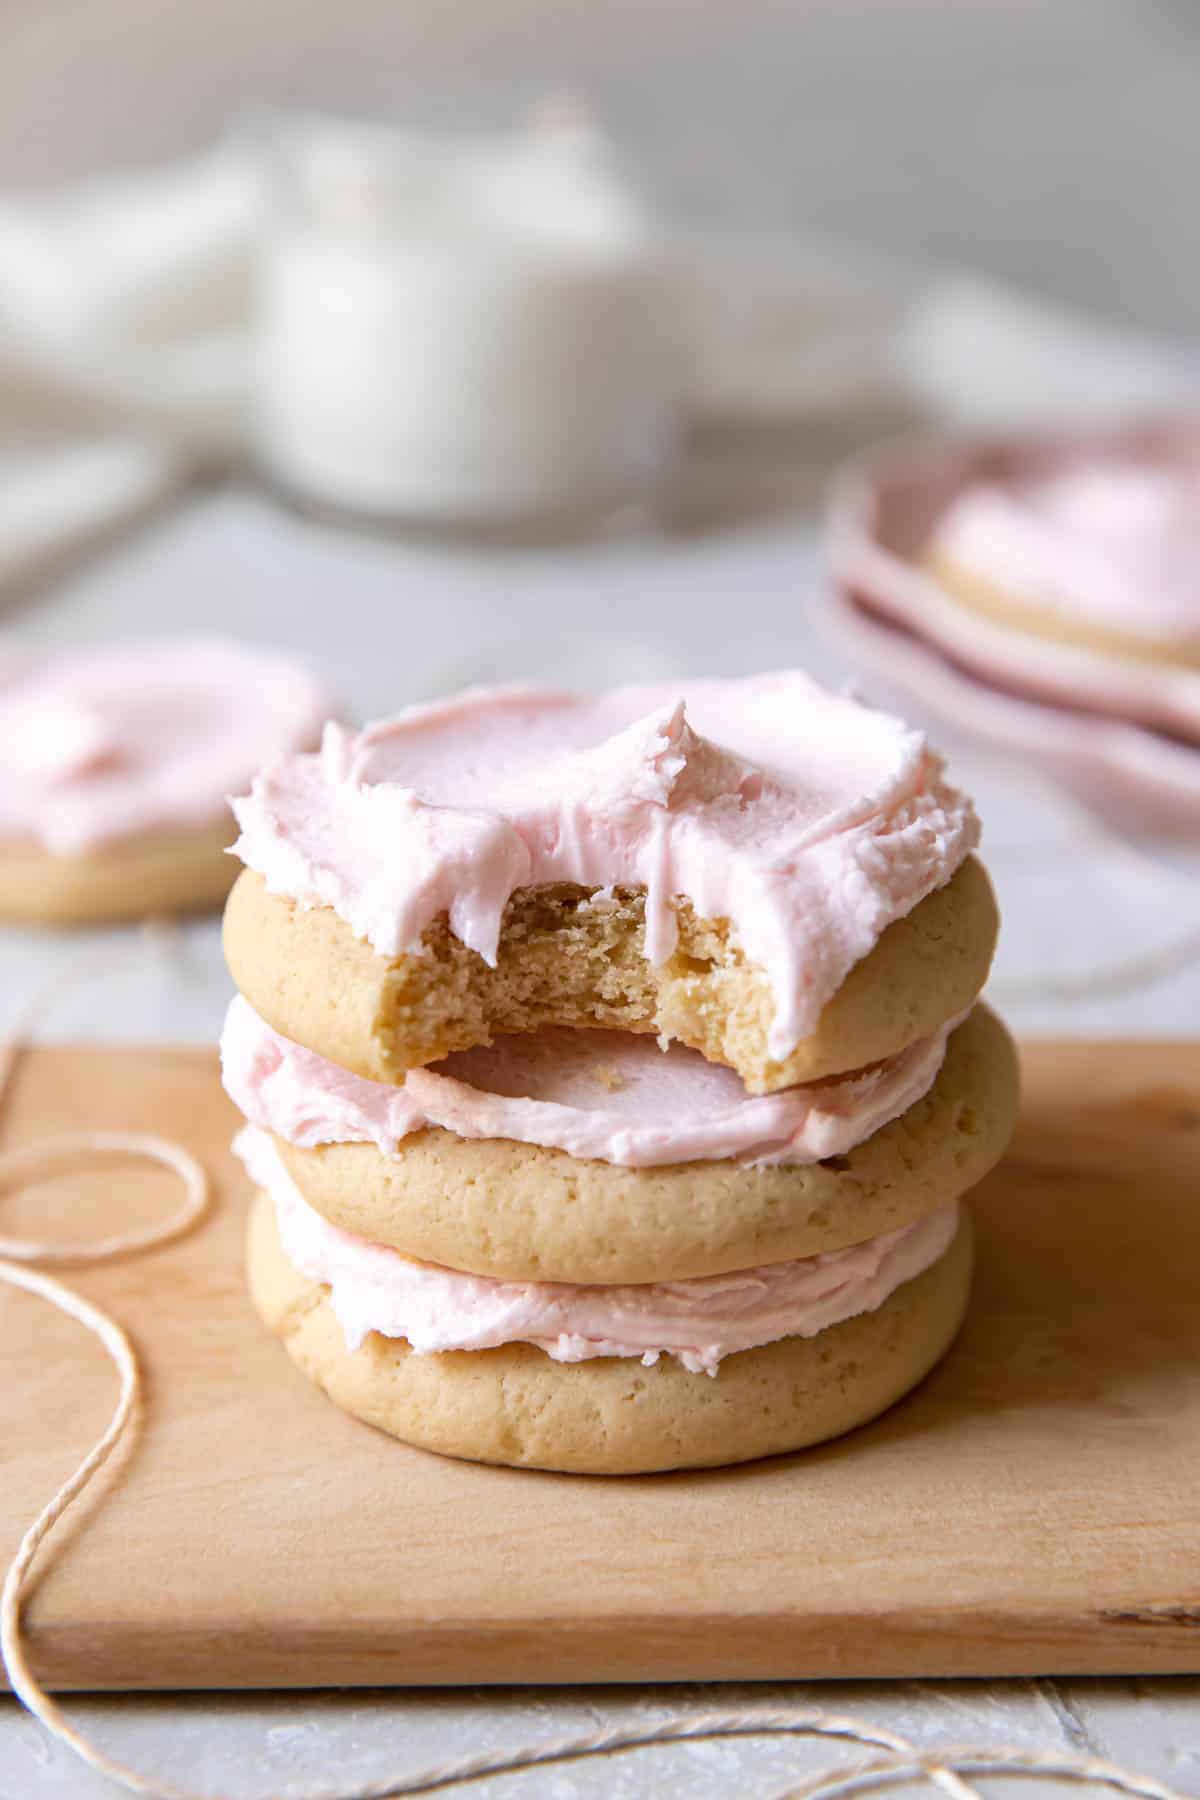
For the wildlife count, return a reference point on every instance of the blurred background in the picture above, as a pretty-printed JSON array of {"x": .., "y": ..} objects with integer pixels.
[
  {"x": 579, "y": 420},
  {"x": 1048, "y": 142}
]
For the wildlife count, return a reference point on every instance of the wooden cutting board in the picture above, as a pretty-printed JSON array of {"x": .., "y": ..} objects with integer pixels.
[{"x": 1033, "y": 1508}]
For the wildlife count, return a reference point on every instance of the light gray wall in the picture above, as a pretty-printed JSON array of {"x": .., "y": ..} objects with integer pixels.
[{"x": 1054, "y": 141}]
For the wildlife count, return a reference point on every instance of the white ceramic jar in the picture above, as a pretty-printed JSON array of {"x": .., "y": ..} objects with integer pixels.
[{"x": 463, "y": 333}]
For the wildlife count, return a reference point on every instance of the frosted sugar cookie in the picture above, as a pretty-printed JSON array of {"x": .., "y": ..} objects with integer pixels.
[
  {"x": 1101, "y": 553},
  {"x": 613, "y": 1069},
  {"x": 766, "y": 872},
  {"x": 115, "y": 765},
  {"x": 801, "y": 1352},
  {"x": 594, "y": 1157}
]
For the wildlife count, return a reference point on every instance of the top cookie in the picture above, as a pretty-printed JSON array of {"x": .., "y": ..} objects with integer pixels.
[{"x": 758, "y": 839}]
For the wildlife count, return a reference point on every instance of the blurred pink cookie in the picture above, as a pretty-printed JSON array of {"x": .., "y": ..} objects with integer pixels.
[
  {"x": 116, "y": 763},
  {"x": 1043, "y": 594},
  {"x": 1104, "y": 554},
  {"x": 1053, "y": 569}
]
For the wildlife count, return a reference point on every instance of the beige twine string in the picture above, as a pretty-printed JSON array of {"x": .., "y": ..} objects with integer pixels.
[{"x": 901, "y": 1762}]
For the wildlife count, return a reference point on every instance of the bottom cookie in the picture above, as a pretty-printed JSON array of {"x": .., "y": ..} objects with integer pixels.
[
  {"x": 167, "y": 871},
  {"x": 613, "y": 1415}
]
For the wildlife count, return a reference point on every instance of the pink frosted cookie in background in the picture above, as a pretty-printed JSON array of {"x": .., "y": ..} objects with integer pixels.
[
  {"x": 1040, "y": 594},
  {"x": 116, "y": 763},
  {"x": 1102, "y": 553}
]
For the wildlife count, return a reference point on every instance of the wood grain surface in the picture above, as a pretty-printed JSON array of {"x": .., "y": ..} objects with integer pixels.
[{"x": 1033, "y": 1508}]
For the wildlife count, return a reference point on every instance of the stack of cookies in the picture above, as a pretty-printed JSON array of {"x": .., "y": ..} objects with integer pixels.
[{"x": 613, "y": 1069}]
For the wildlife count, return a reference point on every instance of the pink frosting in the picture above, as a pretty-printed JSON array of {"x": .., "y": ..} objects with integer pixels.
[
  {"x": 1141, "y": 779},
  {"x": 607, "y": 1095},
  {"x": 105, "y": 742},
  {"x": 1112, "y": 543},
  {"x": 809, "y": 821},
  {"x": 374, "y": 1288}
]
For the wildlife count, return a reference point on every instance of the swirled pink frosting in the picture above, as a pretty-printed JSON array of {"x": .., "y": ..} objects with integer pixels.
[
  {"x": 1114, "y": 543},
  {"x": 374, "y": 1288},
  {"x": 809, "y": 821},
  {"x": 105, "y": 742},
  {"x": 608, "y": 1095}
]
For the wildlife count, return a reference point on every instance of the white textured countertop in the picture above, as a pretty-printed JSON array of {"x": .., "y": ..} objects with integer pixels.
[{"x": 390, "y": 623}]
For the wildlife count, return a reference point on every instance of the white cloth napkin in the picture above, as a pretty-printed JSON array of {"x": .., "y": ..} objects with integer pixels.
[
  {"x": 125, "y": 312},
  {"x": 127, "y": 346}
]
